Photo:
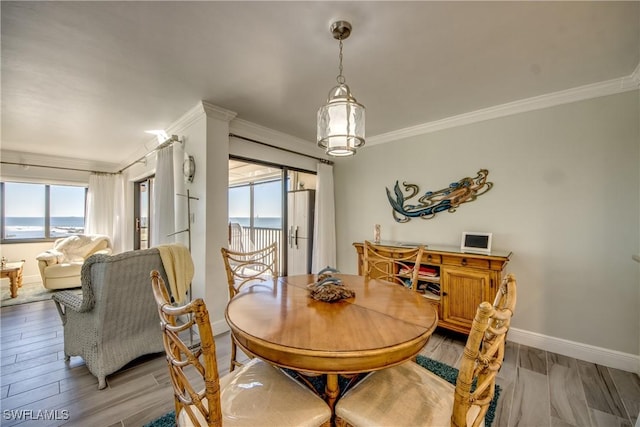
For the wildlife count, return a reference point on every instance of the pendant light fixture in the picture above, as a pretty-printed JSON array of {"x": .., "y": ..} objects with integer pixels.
[{"x": 341, "y": 119}]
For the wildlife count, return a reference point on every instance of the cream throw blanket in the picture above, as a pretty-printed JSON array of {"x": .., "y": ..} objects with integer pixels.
[
  {"x": 178, "y": 265},
  {"x": 74, "y": 248}
]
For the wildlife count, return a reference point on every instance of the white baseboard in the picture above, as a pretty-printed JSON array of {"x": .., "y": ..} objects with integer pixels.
[
  {"x": 219, "y": 327},
  {"x": 602, "y": 356},
  {"x": 32, "y": 279}
]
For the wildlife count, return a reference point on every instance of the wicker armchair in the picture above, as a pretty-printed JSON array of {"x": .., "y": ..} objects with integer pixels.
[{"x": 115, "y": 320}]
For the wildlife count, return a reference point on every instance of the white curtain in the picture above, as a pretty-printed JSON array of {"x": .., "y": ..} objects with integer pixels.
[
  {"x": 163, "y": 210},
  {"x": 180, "y": 197},
  {"x": 324, "y": 233},
  {"x": 105, "y": 208},
  {"x": 119, "y": 215}
]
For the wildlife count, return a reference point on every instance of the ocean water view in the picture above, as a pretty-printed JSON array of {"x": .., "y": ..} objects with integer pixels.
[
  {"x": 33, "y": 227},
  {"x": 266, "y": 222},
  {"x": 61, "y": 226}
]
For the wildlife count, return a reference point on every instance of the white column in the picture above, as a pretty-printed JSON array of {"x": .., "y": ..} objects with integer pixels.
[{"x": 205, "y": 132}]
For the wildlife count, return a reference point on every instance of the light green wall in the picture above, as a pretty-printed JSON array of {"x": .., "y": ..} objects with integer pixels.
[{"x": 565, "y": 201}]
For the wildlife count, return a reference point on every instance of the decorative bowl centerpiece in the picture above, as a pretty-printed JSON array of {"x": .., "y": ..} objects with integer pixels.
[{"x": 329, "y": 288}]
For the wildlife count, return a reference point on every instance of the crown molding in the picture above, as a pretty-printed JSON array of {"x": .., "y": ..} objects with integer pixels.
[
  {"x": 193, "y": 114},
  {"x": 196, "y": 112},
  {"x": 202, "y": 107},
  {"x": 595, "y": 90},
  {"x": 25, "y": 158},
  {"x": 219, "y": 113}
]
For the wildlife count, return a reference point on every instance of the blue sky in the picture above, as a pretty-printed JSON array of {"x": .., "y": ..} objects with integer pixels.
[
  {"x": 268, "y": 201},
  {"x": 27, "y": 200}
]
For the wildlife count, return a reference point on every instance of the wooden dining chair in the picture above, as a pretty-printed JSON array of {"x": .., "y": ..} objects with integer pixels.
[
  {"x": 504, "y": 302},
  {"x": 256, "y": 394},
  {"x": 398, "y": 265},
  {"x": 409, "y": 395},
  {"x": 245, "y": 268},
  {"x": 506, "y": 296}
]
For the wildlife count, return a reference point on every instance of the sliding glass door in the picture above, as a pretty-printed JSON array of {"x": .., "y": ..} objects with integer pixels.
[
  {"x": 261, "y": 198},
  {"x": 255, "y": 206},
  {"x": 143, "y": 197}
]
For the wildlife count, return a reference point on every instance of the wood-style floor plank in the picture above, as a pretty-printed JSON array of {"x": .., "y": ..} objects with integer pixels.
[
  {"x": 533, "y": 359},
  {"x": 16, "y": 373},
  {"x": 506, "y": 379},
  {"x": 556, "y": 422},
  {"x": 604, "y": 419},
  {"x": 25, "y": 365},
  {"x": 530, "y": 405},
  {"x": 27, "y": 401},
  {"x": 119, "y": 404},
  {"x": 600, "y": 390},
  {"x": 448, "y": 350},
  {"x": 148, "y": 414},
  {"x": 629, "y": 388},
  {"x": 568, "y": 402}
]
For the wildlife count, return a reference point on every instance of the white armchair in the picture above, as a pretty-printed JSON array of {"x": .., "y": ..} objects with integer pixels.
[{"x": 60, "y": 267}]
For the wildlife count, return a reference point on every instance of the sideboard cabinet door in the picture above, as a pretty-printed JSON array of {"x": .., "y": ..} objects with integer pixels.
[{"x": 463, "y": 289}]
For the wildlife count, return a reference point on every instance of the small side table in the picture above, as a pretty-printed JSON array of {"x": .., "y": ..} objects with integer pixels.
[{"x": 13, "y": 270}]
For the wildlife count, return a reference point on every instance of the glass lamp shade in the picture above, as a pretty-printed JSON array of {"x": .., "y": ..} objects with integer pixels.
[{"x": 341, "y": 123}]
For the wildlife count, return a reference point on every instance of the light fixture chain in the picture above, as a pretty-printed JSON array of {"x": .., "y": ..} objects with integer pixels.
[
  {"x": 340, "y": 77},
  {"x": 340, "y": 123}
]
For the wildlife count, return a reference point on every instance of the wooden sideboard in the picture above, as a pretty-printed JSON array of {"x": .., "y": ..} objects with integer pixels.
[{"x": 464, "y": 280}]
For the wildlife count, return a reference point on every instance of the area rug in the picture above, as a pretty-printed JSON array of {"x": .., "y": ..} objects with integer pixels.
[
  {"x": 442, "y": 370},
  {"x": 29, "y": 292}
]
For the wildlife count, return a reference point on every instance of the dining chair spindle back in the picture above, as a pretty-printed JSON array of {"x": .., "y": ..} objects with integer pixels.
[
  {"x": 398, "y": 265},
  {"x": 256, "y": 394},
  {"x": 248, "y": 268},
  {"x": 409, "y": 395}
]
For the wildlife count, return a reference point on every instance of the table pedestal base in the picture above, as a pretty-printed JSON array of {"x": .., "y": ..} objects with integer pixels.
[{"x": 332, "y": 390}]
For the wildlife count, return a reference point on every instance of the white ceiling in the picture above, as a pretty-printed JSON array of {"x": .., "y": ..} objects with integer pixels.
[
  {"x": 86, "y": 79},
  {"x": 243, "y": 172}
]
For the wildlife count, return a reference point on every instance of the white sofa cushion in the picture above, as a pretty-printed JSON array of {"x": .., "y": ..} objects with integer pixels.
[{"x": 65, "y": 269}]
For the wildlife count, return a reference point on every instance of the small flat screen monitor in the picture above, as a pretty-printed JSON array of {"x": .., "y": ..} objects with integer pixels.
[{"x": 476, "y": 242}]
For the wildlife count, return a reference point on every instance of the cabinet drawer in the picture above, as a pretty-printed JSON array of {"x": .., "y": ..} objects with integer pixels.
[
  {"x": 466, "y": 262},
  {"x": 431, "y": 259}
]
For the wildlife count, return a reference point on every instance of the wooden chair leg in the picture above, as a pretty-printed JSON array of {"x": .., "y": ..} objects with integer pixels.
[{"x": 234, "y": 350}]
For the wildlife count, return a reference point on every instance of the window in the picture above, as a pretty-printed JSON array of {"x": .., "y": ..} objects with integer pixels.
[
  {"x": 240, "y": 205},
  {"x": 41, "y": 212},
  {"x": 267, "y": 204}
]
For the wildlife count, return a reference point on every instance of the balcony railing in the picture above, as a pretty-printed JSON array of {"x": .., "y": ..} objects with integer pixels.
[{"x": 254, "y": 238}]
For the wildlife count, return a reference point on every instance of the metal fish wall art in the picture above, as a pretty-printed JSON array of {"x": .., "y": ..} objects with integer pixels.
[{"x": 448, "y": 199}]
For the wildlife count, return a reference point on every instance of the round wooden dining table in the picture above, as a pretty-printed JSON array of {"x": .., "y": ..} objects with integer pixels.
[{"x": 383, "y": 325}]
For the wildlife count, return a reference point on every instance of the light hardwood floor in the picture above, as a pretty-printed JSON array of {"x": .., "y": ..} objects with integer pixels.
[{"x": 538, "y": 388}]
